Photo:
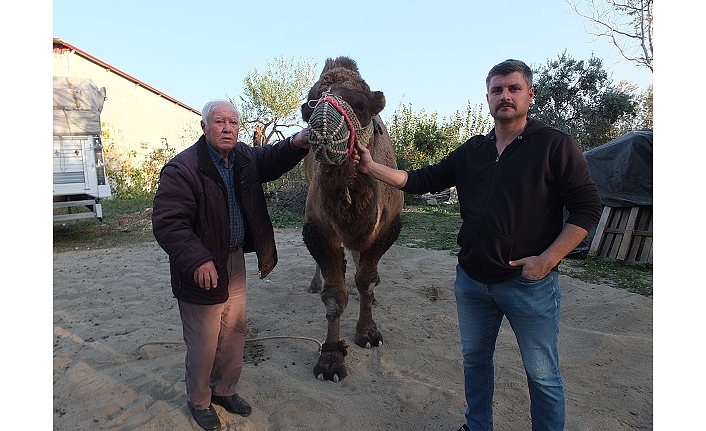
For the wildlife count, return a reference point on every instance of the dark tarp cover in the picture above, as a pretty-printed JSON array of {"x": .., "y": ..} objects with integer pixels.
[{"x": 622, "y": 171}]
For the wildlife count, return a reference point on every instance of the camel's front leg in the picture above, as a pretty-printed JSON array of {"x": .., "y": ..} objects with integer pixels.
[
  {"x": 366, "y": 278},
  {"x": 331, "y": 261}
]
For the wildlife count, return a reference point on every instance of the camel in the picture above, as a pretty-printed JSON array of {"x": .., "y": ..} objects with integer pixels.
[{"x": 345, "y": 209}]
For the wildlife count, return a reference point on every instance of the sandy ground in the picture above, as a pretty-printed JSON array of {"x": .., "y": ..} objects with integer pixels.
[{"x": 118, "y": 355}]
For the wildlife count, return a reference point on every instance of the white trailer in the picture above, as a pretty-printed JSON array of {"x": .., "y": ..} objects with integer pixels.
[{"x": 80, "y": 179}]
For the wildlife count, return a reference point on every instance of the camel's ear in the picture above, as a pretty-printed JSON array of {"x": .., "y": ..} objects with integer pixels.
[
  {"x": 306, "y": 111},
  {"x": 377, "y": 102}
]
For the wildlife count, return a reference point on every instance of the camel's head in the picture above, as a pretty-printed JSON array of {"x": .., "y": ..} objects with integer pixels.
[{"x": 340, "y": 110}]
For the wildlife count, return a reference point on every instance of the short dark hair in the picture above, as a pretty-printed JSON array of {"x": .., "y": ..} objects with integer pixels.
[{"x": 507, "y": 67}]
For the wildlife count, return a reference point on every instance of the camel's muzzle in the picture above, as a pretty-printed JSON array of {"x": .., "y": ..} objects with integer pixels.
[{"x": 334, "y": 129}]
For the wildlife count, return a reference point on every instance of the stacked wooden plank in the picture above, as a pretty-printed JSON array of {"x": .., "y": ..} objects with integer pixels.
[{"x": 624, "y": 234}]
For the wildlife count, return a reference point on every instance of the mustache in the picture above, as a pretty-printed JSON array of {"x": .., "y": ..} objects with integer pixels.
[{"x": 504, "y": 105}]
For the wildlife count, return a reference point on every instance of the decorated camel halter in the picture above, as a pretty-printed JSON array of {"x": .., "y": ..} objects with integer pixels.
[{"x": 334, "y": 129}]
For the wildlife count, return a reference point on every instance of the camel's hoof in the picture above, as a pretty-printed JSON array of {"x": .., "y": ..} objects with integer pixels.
[
  {"x": 335, "y": 378},
  {"x": 368, "y": 339},
  {"x": 370, "y": 346},
  {"x": 331, "y": 365}
]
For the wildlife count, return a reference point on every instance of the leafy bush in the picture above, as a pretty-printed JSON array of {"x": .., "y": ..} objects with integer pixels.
[
  {"x": 130, "y": 178},
  {"x": 422, "y": 139}
]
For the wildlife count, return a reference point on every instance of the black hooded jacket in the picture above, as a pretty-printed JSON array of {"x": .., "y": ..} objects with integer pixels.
[{"x": 512, "y": 206}]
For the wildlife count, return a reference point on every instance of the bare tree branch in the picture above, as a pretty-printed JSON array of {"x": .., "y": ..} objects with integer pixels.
[{"x": 627, "y": 24}]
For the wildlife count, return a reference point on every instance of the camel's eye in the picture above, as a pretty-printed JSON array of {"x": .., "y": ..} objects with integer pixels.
[{"x": 359, "y": 107}]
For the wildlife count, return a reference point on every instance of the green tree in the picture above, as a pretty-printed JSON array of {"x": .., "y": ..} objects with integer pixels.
[
  {"x": 577, "y": 97},
  {"x": 643, "y": 110},
  {"x": 475, "y": 120},
  {"x": 421, "y": 139},
  {"x": 271, "y": 99},
  {"x": 646, "y": 109}
]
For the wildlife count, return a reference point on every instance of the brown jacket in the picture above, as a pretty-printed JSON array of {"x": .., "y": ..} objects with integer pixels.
[{"x": 190, "y": 218}]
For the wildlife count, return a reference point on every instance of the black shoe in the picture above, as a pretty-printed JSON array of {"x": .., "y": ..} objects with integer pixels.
[
  {"x": 207, "y": 418},
  {"x": 464, "y": 428},
  {"x": 233, "y": 404}
]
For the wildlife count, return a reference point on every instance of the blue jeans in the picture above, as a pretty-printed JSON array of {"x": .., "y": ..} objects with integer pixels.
[{"x": 532, "y": 309}]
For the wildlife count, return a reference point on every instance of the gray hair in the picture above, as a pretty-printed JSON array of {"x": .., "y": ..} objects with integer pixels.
[
  {"x": 208, "y": 107},
  {"x": 509, "y": 66}
]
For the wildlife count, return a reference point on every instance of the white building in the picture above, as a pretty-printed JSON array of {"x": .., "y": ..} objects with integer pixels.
[{"x": 135, "y": 117}]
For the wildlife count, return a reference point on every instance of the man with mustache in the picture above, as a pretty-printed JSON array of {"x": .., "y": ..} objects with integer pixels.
[{"x": 513, "y": 185}]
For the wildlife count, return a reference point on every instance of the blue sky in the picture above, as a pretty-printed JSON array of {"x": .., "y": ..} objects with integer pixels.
[{"x": 433, "y": 55}]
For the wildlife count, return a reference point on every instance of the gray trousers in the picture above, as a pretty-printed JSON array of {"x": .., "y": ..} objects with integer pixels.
[{"x": 215, "y": 339}]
